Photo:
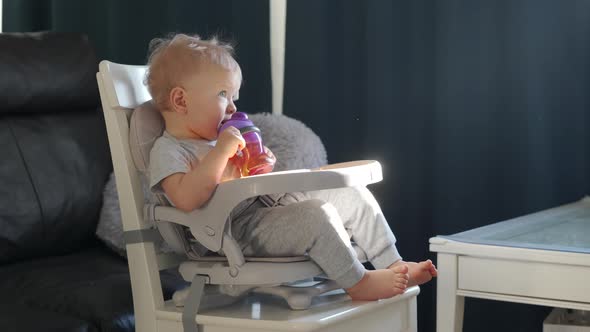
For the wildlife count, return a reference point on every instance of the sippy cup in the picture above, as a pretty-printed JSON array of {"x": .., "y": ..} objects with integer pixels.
[{"x": 253, "y": 159}]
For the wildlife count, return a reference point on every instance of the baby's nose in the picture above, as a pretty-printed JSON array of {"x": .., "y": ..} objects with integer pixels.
[{"x": 231, "y": 108}]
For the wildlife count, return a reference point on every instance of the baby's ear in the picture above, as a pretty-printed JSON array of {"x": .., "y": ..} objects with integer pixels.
[{"x": 178, "y": 100}]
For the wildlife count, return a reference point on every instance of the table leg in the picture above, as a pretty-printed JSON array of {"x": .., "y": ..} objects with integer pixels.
[{"x": 449, "y": 306}]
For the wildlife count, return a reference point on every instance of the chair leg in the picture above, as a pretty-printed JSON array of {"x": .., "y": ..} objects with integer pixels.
[{"x": 191, "y": 306}]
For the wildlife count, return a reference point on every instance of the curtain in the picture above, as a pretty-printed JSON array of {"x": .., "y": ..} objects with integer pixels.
[
  {"x": 121, "y": 31},
  {"x": 477, "y": 111}
]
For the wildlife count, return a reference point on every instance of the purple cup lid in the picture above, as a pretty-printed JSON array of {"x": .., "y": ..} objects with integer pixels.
[
  {"x": 241, "y": 122},
  {"x": 238, "y": 120}
]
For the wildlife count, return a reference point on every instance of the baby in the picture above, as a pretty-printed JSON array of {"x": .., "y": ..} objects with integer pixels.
[{"x": 195, "y": 84}]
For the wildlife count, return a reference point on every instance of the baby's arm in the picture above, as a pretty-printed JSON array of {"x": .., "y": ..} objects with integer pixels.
[{"x": 189, "y": 191}]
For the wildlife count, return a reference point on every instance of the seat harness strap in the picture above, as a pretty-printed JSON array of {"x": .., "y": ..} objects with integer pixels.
[
  {"x": 191, "y": 306},
  {"x": 141, "y": 236}
]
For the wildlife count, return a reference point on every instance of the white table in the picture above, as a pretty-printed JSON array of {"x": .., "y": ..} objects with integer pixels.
[{"x": 542, "y": 259}]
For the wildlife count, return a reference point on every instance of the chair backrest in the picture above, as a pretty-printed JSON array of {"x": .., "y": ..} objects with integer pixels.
[
  {"x": 138, "y": 130},
  {"x": 122, "y": 90}
]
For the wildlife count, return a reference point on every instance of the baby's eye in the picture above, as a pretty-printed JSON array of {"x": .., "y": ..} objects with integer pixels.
[{"x": 222, "y": 94}]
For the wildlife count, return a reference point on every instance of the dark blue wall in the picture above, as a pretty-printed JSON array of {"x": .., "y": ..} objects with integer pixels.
[{"x": 478, "y": 111}]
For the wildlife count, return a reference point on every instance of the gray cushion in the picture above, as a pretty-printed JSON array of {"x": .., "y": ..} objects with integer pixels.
[{"x": 145, "y": 126}]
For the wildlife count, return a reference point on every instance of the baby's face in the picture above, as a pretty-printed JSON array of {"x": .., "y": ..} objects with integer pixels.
[{"x": 210, "y": 100}]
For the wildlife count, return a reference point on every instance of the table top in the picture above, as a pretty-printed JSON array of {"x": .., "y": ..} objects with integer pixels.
[{"x": 565, "y": 228}]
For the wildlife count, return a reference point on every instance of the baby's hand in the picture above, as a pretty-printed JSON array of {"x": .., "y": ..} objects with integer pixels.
[
  {"x": 230, "y": 141},
  {"x": 270, "y": 155}
]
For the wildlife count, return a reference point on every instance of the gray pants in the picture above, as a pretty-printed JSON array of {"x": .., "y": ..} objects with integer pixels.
[{"x": 320, "y": 224}]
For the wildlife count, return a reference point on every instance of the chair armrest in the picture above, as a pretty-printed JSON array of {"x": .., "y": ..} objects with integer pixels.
[{"x": 208, "y": 222}]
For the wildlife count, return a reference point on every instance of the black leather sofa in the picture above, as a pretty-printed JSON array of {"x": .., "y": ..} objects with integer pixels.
[{"x": 54, "y": 273}]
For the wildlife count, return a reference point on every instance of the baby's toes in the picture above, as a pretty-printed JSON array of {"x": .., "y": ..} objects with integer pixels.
[
  {"x": 426, "y": 265},
  {"x": 400, "y": 269},
  {"x": 405, "y": 279},
  {"x": 400, "y": 286},
  {"x": 404, "y": 276},
  {"x": 402, "y": 279},
  {"x": 433, "y": 271}
]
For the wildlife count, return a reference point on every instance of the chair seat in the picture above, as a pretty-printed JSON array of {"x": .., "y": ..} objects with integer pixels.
[
  {"x": 329, "y": 312},
  {"x": 253, "y": 273},
  {"x": 286, "y": 259}
]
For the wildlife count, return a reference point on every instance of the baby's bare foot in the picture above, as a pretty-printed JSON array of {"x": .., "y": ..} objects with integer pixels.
[
  {"x": 380, "y": 284},
  {"x": 420, "y": 273}
]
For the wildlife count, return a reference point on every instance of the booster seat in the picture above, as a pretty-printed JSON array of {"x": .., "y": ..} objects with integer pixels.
[
  {"x": 146, "y": 125},
  {"x": 130, "y": 139}
]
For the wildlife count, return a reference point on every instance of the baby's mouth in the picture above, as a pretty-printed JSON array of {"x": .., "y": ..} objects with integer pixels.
[
  {"x": 224, "y": 121},
  {"x": 221, "y": 124}
]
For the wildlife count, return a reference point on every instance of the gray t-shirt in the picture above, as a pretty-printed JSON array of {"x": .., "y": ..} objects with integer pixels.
[{"x": 170, "y": 155}]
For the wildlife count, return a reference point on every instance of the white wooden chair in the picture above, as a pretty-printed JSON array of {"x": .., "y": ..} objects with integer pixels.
[{"x": 122, "y": 90}]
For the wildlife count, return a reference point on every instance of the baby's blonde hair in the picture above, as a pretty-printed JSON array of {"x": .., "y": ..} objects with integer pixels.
[{"x": 173, "y": 59}]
